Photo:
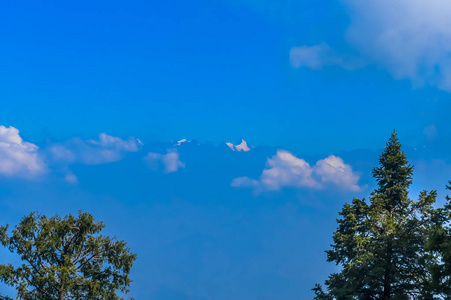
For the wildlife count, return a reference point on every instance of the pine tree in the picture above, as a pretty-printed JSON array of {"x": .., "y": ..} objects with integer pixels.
[
  {"x": 380, "y": 243},
  {"x": 440, "y": 243}
]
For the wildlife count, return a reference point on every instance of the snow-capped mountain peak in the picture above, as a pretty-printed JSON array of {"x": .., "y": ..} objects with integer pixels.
[
  {"x": 240, "y": 147},
  {"x": 182, "y": 141}
]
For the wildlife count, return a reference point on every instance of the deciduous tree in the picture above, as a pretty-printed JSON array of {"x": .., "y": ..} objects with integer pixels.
[{"x": 65, "y": 258}]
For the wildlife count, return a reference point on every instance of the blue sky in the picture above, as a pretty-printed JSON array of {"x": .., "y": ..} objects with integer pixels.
[{"x": 95, "y": 96}]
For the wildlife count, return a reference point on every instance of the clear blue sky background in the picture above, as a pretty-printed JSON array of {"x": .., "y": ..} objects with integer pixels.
[{"x": 312, "y": 77}]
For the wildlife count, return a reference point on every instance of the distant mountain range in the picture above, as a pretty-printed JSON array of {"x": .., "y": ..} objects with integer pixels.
[{"x": 240, "y": 146}]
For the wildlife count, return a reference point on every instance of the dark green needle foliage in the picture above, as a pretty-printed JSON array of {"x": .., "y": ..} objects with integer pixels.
[
  {"x": 440, "y": 243},
  {"x": 65, "y": 258},
  {"x": 380, "y": 243}
]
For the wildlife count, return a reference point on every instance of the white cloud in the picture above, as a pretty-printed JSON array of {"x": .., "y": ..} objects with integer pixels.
[
  {"x": 286, "y": 170},
  {"x": 318, "y": 56},
  {"x": 170, "y": 161},
  {"x": 94, "y": 152},
  {"x": 71, "y": 178},
  {"x": 18, "y": 158},
  {"x": 409, "y": 38},
  {"x": 332, "y": 169},
  {"x": 245, "y": 182}
]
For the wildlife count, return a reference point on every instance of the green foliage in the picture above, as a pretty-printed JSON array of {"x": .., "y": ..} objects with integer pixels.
[
  {"x": 65, "y": 258},
  {"x": 381, "y": 243},
  {"x": 440, "y": 243}
]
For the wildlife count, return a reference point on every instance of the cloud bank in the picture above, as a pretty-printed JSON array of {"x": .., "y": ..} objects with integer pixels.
[
  {"x": 94, "y": 152},
  {"x": 411, "y": 39},
  {"x": 18, "y": 158},
  {"x": 286, "y": 170},
  {"x": 170, "y": 161}
]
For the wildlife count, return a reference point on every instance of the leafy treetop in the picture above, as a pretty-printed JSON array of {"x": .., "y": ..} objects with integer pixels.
[{"x": 65, "y": 258}]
